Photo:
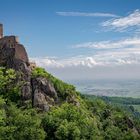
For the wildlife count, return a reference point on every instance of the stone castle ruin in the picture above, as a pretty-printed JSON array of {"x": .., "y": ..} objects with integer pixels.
[
  {"x": 1, "y": 31},
  {"x": 13, "y": 55},
  {"x": 13, "y": 43}
]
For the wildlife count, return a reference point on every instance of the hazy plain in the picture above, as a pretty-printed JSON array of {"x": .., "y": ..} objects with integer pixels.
[{"x": 119, "y": 88}]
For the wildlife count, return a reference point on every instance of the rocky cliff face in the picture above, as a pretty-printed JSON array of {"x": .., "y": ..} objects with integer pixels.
[{"x": 39, "y": 90}]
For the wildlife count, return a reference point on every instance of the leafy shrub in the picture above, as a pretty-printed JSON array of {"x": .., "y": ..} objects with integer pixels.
[
  {"x": 9, "y": 89},
  {"x": 70, "y": 122},
  {"x": 16, "y": 124}
]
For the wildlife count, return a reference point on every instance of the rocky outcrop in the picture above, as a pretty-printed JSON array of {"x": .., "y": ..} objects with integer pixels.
[
  {"x": 44, "y": 94},
  {"x": 129, "y": 122},
  {"x": 39, "y": 90},
  {"x": 73, "y": 100}
]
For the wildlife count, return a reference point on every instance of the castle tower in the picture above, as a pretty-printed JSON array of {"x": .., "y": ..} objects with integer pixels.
[{"x": 1, "y": 31}]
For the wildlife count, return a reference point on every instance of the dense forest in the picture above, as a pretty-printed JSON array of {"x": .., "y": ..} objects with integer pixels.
[{"x": 72, "y": 117}]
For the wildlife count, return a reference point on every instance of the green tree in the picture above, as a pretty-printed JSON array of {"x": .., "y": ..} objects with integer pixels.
[
  {"x": 70, "y": 122},
  {"x": 16, "y": 124},
  {"x": 9, "y": 88}
]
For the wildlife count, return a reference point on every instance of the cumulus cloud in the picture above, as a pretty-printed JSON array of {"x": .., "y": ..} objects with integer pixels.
[
  {"x": 84, "y": 14},
  {"x": 46, "y": 62},
  {"x": 108, "y": 53},
  {"x": 108, "y": 65},
  {"x": 67, "y": 62},
  {"x": 130, "y": 21},
  {"x": 127, "y": 56}
]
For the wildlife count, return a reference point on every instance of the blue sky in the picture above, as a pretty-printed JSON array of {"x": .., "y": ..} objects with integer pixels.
[{"x": 82, "y": 35}]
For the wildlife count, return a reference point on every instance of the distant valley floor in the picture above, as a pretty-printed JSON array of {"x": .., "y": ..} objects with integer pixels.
[{"x": 111, "y": 88}]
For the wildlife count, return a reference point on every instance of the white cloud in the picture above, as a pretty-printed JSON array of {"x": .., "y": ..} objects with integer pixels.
[
  {"x": 127, "y": 56},
  {"x": 122, "y": 23},
  {"x": 83, "y": 14},
  {"x": 110, "y": 44},
  {"x": 68, "y": 62},
  {"x": 108, "y": 53},
  {"x": 124, "y": 64},
  {"x": 46, "y": 62},
  {"x": 106, "y": 63}
]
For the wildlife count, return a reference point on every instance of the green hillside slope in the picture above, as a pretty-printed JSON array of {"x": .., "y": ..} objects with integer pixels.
[{"x": 71, "y": 117}]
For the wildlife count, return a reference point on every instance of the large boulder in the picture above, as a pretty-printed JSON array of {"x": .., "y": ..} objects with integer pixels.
[{"x": 44, "y": 94}]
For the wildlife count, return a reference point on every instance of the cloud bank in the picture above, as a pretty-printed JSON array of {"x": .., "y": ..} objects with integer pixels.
[
  {"x": 87, "y": 68},
  {"x": 108, "y": 53}
]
